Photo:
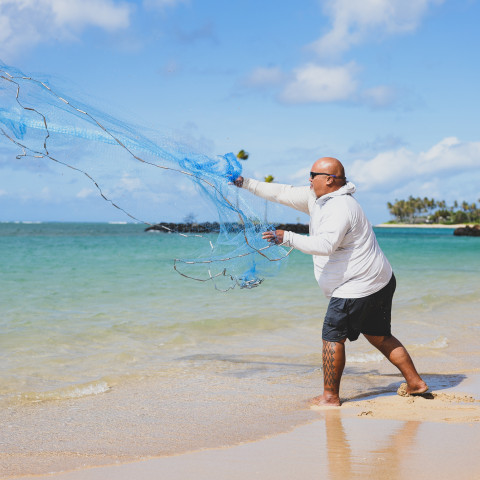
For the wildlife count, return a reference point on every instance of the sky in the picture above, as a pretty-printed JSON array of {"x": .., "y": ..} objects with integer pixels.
[{"x": 390, "y": 87}]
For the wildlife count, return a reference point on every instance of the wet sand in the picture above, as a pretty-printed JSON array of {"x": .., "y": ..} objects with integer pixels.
[{"x": 382, "y": 436}]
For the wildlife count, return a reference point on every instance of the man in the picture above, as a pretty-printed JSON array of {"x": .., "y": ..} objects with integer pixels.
[{"x": 349, "y": 266}]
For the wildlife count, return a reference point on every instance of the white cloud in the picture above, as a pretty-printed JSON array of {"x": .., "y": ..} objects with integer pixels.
[
  {"x": 25, "y": 23},
  {"x": 399, "y": 168},
  {"x": 354, "y": 22},
  {"x": 380, "y": 96},
  {"x": 265, "y": 77},
  {"x": 31, "y": 195},
  {"x": 161, "y": 4},
  {"x": 5, "y": 27},
  {"x": 301, "y": 175},
  {"x": 85, "y": 193},
  {"x": 46, "y": 191},
  {"x": 130, "y": 184},
  {"x": 314, "y": 84},
  {"x": 351, "y": 23},
  {"x": 3, "y": 193},
  {"x": 80, "y": 14},
  {"x": 379, "y": 144}
]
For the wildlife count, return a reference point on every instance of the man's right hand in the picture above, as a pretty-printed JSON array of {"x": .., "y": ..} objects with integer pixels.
[{"x": 238, "y": 182}]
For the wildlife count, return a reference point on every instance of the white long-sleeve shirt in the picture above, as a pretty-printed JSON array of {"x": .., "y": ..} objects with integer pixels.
[{"x": 348, "y": 262}]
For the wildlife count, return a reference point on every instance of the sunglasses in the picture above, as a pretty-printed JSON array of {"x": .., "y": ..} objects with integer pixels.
[{"x": 314, "y": 174}]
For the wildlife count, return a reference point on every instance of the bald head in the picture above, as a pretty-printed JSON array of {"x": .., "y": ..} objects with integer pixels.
[
  {"x": 329, "y": 165},
  {"x": 332, "y": 176}
]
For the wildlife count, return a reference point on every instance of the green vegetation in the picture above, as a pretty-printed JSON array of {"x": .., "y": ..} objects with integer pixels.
[
  {"x": 425, "y": 210},
  {"x": 243, "y": 155}
]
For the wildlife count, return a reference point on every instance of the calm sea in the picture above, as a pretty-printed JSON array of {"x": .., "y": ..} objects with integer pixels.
[{"x": 87, "y": 307}]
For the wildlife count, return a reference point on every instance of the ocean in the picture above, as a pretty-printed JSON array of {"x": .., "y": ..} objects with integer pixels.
[{"x": 96, "y": 311}]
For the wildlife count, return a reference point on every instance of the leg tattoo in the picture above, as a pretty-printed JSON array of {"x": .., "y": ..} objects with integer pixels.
[
  {"x": 333, "y": 357},
  {"x": 328, "y": 358}
]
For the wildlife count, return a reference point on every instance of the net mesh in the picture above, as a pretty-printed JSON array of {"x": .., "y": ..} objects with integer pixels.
[{"x": 133, "y": 172}]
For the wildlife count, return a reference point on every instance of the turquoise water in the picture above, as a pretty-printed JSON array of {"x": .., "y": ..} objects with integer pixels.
[{"x": 86, "y": 307}]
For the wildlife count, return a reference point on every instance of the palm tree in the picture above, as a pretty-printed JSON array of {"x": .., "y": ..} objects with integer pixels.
[
  {"x": 267, "y": 179},
  {"x": 242, "y": 155},
  {"x": 466, "y": 208}
]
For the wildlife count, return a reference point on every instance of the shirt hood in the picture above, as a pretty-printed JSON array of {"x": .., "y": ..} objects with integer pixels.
[{"x": 348, "y": 189}]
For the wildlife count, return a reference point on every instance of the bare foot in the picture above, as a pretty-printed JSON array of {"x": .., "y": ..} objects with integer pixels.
[
  {"x": 406, "y": 390},
  {"x": 325, "y": 401}
]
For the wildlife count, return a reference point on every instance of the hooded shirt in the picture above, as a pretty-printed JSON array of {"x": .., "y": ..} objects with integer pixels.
[{"x": 348, "y": 262}]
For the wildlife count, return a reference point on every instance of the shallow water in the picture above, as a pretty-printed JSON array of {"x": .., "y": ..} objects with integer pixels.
[{"x": 88, "y": 307}]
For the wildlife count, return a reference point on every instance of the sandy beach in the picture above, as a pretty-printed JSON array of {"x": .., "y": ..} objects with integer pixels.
[
  {"x": 422, "y": 225},
  {"x": 383, "y": 436}
]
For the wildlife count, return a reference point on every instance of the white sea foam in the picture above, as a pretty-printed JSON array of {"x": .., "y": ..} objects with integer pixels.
[
  {"x": 440, "y": 342},
  {"x": 76, "y": 391},
  {"x": 365, "y": 357},
  {"x": 88, "y": 389}
]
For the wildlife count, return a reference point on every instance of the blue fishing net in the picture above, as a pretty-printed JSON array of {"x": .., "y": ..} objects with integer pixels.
[{"x": 135, "y": 172}]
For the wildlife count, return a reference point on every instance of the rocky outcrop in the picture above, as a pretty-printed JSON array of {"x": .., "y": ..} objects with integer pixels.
[
  {"x": 170, "y": 227},
  {"x": 215, "y": 227},
  {"x": 468, "y": 231},
  {"x": 293, "y": 227}
]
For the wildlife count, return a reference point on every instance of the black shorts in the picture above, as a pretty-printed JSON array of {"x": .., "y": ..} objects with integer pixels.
[{"x": 349, "y": 317}]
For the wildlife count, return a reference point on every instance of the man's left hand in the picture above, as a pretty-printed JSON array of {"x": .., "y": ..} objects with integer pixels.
[{"x": 274, "y": 236}]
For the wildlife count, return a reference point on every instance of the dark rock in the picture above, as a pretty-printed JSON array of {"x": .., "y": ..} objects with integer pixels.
[
  {"x": 207, "y": 227},
  {"x": 185, "y": 227},
  {"x": 293, "y": 227},
  {"x": 468, "y": 231}
]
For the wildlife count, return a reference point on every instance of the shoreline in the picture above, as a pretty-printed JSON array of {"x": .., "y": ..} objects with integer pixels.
[
  {"x": 405, "y": 435},
  {"x": 422, "y": 225}
]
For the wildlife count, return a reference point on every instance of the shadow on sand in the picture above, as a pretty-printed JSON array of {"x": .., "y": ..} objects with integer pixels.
[{"x": 434, "y": 381}]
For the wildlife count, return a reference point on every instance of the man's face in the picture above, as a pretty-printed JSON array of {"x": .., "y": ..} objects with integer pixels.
[{"x": 319, "y": 183}]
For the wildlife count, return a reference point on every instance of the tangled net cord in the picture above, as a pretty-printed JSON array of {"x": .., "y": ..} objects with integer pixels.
[{"x": 36, "y": 154}]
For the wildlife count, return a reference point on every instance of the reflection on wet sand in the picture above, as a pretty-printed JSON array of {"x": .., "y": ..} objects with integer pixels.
[
  {"x": 338, "y": 447},
  {"x": 342, "y": 444},
  {"x": 378, "y": 461}
]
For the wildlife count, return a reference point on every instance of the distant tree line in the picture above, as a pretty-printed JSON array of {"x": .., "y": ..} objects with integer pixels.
[{"x": 429, "y": 210}]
